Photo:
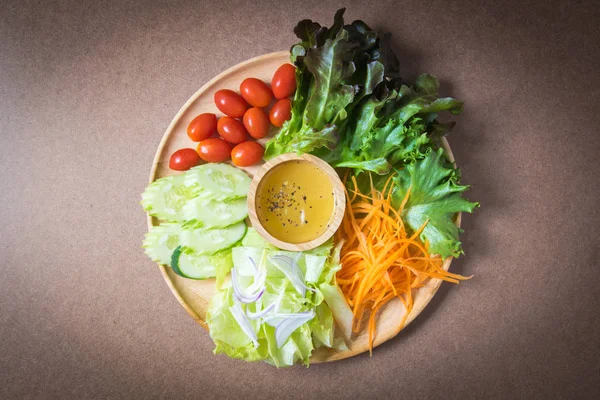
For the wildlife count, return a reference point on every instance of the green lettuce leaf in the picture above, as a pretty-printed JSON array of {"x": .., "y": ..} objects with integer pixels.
[
  {"x": 322, "y": 327},
  {"x": 422, "y": 99},
  {"x": 319, "y": 102},
  {"x": 329, "y": 93},
  {"x": 339, "y": 308},
  {"x": 226, "y": 332},
  {"x": 298, "y": 347},
  {"x": 336, "y": 68},
  {"x": 435, "y": 196},
  {"x": 318, "y": 267}
]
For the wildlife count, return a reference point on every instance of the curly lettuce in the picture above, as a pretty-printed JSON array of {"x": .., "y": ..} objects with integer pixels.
[
  {"x": 352, "y": 110},
  {"x": 434, "y": 198}
]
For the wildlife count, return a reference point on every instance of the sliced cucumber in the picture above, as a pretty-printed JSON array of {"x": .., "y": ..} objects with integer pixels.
[
  {"x": 219, "y": 181},
  {"x": 165, "y": 197},
  {"x": 210, "y": 241},
  {"x": 161, "y": 241},
  {"x": 175, "y": 261},
  {"x": 194, "y": 266},
  {"x": 204, "y": 213}
]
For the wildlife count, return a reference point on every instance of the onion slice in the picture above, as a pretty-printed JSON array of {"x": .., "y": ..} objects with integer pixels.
[
  {"x": 292, "y": 271},
  {"x": 260, "y": 278},
  {"x": 243, "y": 322},
  {"x": 261, "y": 313},
  {"x": 246, "y": 298},
  {"x": 290, "y": 324}
]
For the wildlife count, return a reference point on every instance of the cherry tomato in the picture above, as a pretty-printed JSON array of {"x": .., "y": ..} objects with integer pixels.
[
  {"x": 214, "y": 150},
  {"x": 283, "y": 83},
  {"x": 281, "y": 112},
  {"x": 184, "y": 159},
  {"x": 232, "y": 130},
  {"x": 202, "y": 127},
  {"x": 247, "y": 153},
  {"x": 230, "y": 103},
  {"x": 256, "y": 122},
  {"x": 256, "y": 92}
]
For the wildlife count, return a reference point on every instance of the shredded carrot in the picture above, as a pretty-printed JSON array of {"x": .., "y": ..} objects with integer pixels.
[{"x": 380, "y": 261}]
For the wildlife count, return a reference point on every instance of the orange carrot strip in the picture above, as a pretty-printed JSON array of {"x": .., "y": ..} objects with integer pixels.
[{"x": 380, "y": 261}]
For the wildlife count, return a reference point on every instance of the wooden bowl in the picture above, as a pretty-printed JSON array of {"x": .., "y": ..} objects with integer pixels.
[
  {"x": 194, "y": 296},
  {"x": 338, "y": 194}
]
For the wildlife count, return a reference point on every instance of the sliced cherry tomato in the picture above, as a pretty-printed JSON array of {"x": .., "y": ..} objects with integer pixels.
[
  {"x": 256, "y": 92},
  {"x": 230, "y": 103},
  {"x": 232, "y": 130},
  {"x": 247, "y": 153},
  {"x": 202, "y": 127},
  {"x": 184, "y": 159},
  {"x": 283, "y": 83},
  {"x": 281, "y": 112},
  {"x": 214, "y": 150},
  {"x": 256, "y": 122}
]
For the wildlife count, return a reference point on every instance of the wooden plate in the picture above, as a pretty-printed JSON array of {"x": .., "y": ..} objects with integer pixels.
[{"x": 194, "y": 295}]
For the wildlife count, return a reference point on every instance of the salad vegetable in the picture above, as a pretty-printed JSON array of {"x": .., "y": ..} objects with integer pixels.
[
  {"x": 433, "y": 196},
  {"x": 202, "y": 127},
  {"x": 274, "y": 308},
  {"x": 232, "y": 130},
  {"x": 256, "y": 123},
  {"x": 280, "y": 112},
  {"x": 256, "y": 92},
  {"x": 184, "y": 159},
  {"x": 380, "y": 259},
  {"x": 214, "y": 150},
  {"x": 349, "y": 107},
  {"x": 247, "y": 154},
  {"x": 353, "y": 111},
  {"x": 240, "y": 120},
  {"x": 230, "y": 103},
  {"x": 205, "y": 208},
  {"x": 283, "y": 82}
]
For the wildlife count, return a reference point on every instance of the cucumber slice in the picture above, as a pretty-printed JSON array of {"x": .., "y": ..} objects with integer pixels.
[
  {"x": 219, "y": 181},
  {"x": 210, "y": 241},
  {"x": 160, "y": 242},
  {"x": 192, "y": 265},
  {"x": 165, "y": 197},
  {"x": 175, "y": 261},
  {"x": 204, "y": 213}
]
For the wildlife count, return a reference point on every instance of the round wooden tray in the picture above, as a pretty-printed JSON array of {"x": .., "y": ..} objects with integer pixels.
[{"x": 194, "y": 295}]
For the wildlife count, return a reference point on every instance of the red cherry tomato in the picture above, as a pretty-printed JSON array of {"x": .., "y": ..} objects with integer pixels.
[
  {"x": 247, "y": 153},
  {"x": 184, "y": 159},
  {"x": 232, "y": 130},
  {"x": 256, "y": 122},
  {"x": 283, "y": 83},
  {"x": 230, "y": 103},
  {"x": 214, "y": 150},
  {"x": 281, "y": 112},
  {"x": 202, "y": 127},
  {"x": 256, "y": 92}
]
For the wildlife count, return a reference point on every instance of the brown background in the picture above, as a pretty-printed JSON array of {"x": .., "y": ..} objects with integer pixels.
[{"x": 87, "y": 90}]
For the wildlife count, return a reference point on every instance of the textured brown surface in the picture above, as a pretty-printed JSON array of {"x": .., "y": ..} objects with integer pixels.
[{"x": 86, "y": 91}]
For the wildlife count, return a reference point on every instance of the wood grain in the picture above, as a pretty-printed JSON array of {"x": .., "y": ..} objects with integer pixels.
[
  {"x": 194, "y": 295},
  {"x": 338, "y": 193}
]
